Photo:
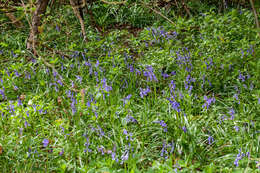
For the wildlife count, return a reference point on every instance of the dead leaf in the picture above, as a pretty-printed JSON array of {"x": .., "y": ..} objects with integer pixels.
[
  {"x": 1, "y": 149},
  {"x": 22, "y": 97},
  {"x": 59, "y": 100}
]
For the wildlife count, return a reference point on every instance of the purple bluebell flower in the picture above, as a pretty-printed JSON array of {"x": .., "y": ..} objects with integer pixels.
[
  {"x": 113, "y": 154},
  {"x": 137, "y": 72},
  {"x": 20, "y": 102},
  {"x": 162, "y": 124},
  {"x": 131, "y": 68},
  {"x": 208, "y": 102},
  {"x": 2, "y": 93},
  {"x": 259, "y": 100},
  {"x": 79, "y": 78},
  {"x": 126, "y": 99},
  {"x": 175, "y": 105},
  {"x": 149, "y": 74},
  {"x": 16, "y": 73},
  {"x": 101, "y": 150},
  {"x": 73, "y": 106},
  {"x": 236, "y": 97},
  {"x": 239, "y": 157},
  {"x": 241, "y": 77},
  {"x": 125, "y": 156},
  {"x": 210, "y": 140},
  {"x": 164, "y": 152},
  {"x": 236, "y": 128},
  {"x": 165, "y": 75},
  {"x": 130, "y": 119},
  {"x": 105, "y": 87},
  {"x": 172, "y": 147},
  {"x": 87, "y": 144},
  {"x": 144, "y": 92},
  {"x": 27, "y": 75},
  {"x": 61, "y": 152},
  {"x": 184, "y": 129},
  {"x": 232, "y": 113},
  {"x": 57, "y": 28},
  {"x": 45, "y": 143},
  {"x": 15, "y": 87},
  {"x": 172, "y": 87},
  {"x": 21, "y": 131}
]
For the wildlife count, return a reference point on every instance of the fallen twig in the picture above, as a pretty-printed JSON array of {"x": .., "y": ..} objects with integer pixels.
[{"x": 159, "y": 13}]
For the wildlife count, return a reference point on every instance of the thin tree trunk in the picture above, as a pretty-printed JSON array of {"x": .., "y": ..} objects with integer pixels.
[
  {"x": 41, "y": 6},
  {"x": 76, "y": 12},
  {"x": 256, "y": 17}
]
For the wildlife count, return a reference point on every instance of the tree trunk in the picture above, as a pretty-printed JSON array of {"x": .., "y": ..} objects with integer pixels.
[
  {"x": 256, "y": 16},
  {"x": 41, "y": 6}
]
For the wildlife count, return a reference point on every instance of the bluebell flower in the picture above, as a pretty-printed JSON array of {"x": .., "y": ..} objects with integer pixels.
[
  {"x": 59, "y": 82},
  {"x": 241, "y": 77},
  {"x": 20, "y": 102},
  {"x": 126, "y": 99},
  {"x": 130, "y": 119},
  {"x": 184, "y": 129},
  {"x": 164, "y": 152},
  {"x": 210, "y": 140},
  {"x": 236, "y": 97},
  {"x": 162, "y": 124},
  {"x": 150, "y": 76},
  {"x": 175, "y": 105},
  {"x": 57, "y": 28},
  {"x": 144, "y": 92},
  {"x": 239, "y": 157},
  {"x": 208, "y": 102},
  {"x": 165, "y": 75},
  {"x": 101, "y": 149},
  {"x": 45, "y": 143},
  {"x": 125, "y": 156},
  {"x": 172, "y": 87},
  {"x": 2, "y": 93},
  {"x": 79, "y": 78},
  {"x": 232, "y": 113},
  {"x": 105, "y": 87},
  {"x": 236, "y": 128},
  {"x": 61, "y": 152},
  {"x": 16, "y": 73}
]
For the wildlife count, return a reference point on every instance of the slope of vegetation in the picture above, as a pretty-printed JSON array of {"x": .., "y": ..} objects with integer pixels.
[{"x": 159, "y": 98}]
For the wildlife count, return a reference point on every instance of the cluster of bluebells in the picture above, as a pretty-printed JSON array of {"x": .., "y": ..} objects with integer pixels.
[
  {"x": 160, "y": 34},
  {"x": 240, "y": 156},
  {"x": 188, "y": 83},
  {"x": 149, "y": 74},
  {"x": 70, "y": 95},
  {"x": 165, "y": 150},
  {"x": 144, "y": 92},
  {"x": 184, "y": 59},
  {"x": 162, "y": 124},
  {"x": 174, "y": 103},
  {"x": 208, "y": 102}
]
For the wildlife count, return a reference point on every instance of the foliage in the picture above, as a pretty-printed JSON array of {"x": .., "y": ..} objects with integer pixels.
[{"x": 181, "y": 98}]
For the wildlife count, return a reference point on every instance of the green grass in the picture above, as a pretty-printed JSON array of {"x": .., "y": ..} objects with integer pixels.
[{"x": 172, "y": 128}]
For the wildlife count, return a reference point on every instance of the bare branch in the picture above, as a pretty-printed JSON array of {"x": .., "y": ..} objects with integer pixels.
[{"x": 157, "y": 12}]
